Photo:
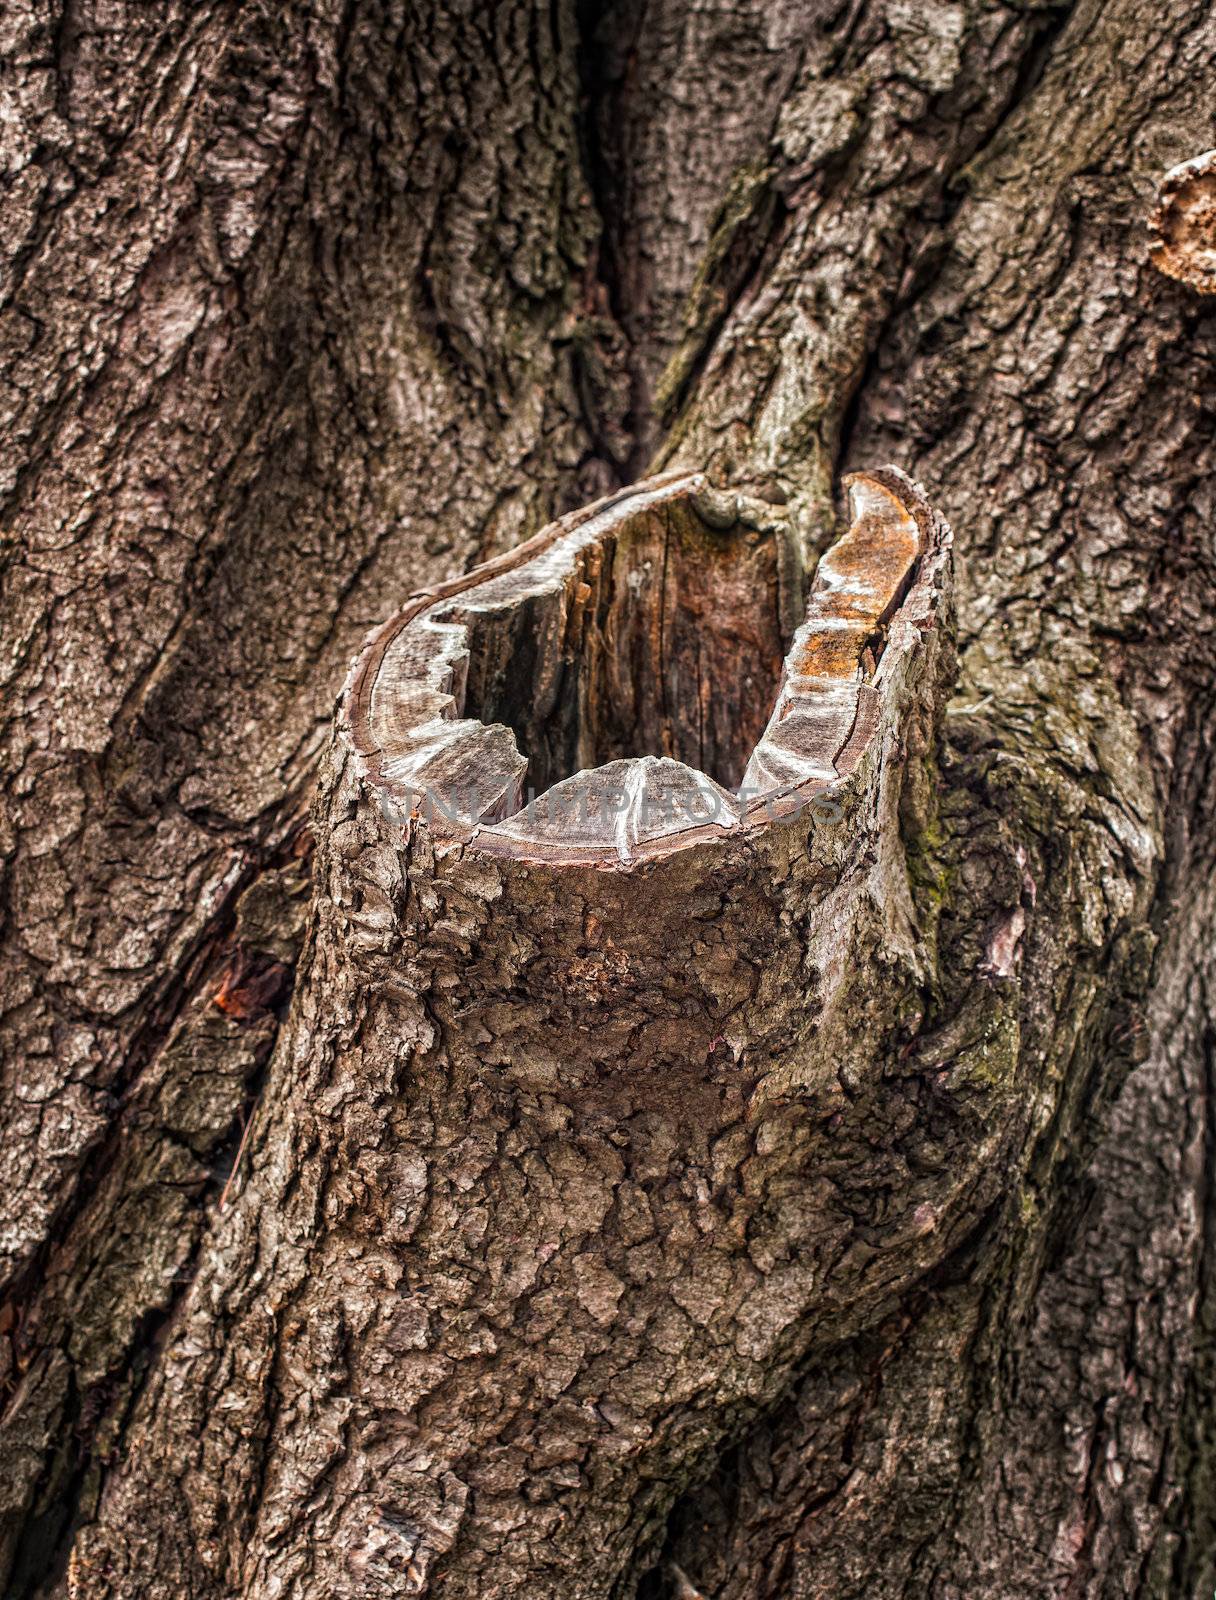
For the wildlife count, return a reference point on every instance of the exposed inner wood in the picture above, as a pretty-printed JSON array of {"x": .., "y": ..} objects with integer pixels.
[
  {"x": 662, "y": 637},
  {"x": 826, "y": 691},
  {"x": 617, "y": 686}
]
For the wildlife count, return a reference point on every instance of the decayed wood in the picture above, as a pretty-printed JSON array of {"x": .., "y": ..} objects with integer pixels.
[{"x": 561, "y": 703}]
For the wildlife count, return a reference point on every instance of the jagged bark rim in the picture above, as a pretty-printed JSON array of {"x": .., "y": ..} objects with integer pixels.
[{"x": 912, "y": 606}]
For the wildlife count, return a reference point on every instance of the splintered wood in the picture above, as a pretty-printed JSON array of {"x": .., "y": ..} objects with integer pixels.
[{"x": 614, "y": 689}]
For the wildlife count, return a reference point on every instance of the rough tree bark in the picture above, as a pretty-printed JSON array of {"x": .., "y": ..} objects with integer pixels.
[{"x": 815, "y": 1212}]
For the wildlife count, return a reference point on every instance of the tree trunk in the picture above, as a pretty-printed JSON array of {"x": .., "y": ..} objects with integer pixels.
[{"x": 807, "y": 1197}]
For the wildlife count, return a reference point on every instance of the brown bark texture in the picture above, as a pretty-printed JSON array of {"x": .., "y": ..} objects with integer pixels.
[{"x": 776, "y": 1161}]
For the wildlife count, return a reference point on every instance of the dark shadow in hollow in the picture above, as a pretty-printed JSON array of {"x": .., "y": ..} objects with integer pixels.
[{"x": 670, "y": 642}]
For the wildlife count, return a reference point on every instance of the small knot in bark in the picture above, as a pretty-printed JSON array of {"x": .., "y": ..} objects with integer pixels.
[{"x": 1183, "y": 225}]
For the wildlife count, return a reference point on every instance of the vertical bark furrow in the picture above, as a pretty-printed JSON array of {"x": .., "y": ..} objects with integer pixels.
[
  {"x": 684, "y": 97},
  {"x": 814, "y": 252}
]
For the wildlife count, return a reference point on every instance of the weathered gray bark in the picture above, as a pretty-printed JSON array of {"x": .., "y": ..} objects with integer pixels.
[{"x": 302, "y": 311}]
